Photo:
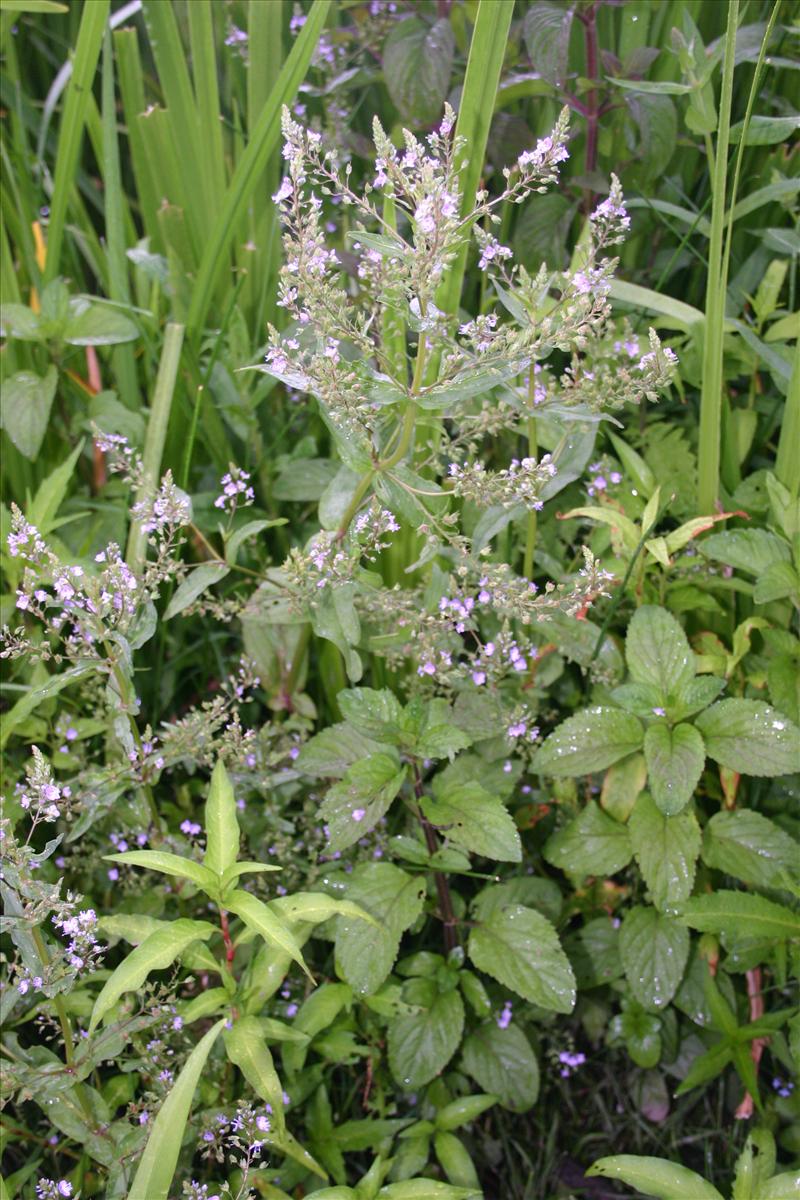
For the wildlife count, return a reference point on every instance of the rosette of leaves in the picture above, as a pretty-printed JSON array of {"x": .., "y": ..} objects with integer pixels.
[
  {"x": 672, "y": 715},
  {"x": 281, "y": 925}
]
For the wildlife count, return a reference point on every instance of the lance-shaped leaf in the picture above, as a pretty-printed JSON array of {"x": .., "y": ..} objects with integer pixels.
[
  {"x": 222, "y": 825},
  {"x": 315, "y": 907},
  {"x": 245, "y": 868},
  {"x": 740, "y": 915},
  {"x": 590, "y": 741},
  {"x": 167, "y": 864},
  {"x": 160, "y": 1157},
  {"x": 655, "y": 1177},
  {"x": 263, "y": 921},
  {"x": 157, "y": 951},
  {"x": 247, "y": 1049}
]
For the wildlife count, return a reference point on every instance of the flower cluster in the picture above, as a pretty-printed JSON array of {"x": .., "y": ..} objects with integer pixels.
[
  {"x": 41, "y": 797},
  {"x": 519, "y": 483},
  {"x": 166, "y": 511},
  {"x": 53, "y": 1189},
  {"x": 236, "y": 490},
  {"x": 330, "y": 560}
]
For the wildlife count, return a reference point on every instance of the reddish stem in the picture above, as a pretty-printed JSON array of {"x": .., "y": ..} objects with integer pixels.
[
  {"x": 442, "y": 883},
  {"x": 589, "y": 19},
  {"x": 230, "y": 949}
]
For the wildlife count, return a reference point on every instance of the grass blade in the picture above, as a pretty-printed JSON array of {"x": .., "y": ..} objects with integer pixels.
[
  {"x": 711, "y": 392},
  {"x": 157, "y": 1164},
  {"x": 156, "y": 432},
  {"x": 250, "y": 169},
  {"x": 87, "y": 53}
]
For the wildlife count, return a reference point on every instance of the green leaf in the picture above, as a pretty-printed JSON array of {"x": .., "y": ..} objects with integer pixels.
[
  {"x": 590, "y": 741},
  {"x": 780, "y": 581},
  {"x": 657, "y": 651},
  {"x": 750, "y": 737},
  {"x": 316, "y": 907},
  {"x": 674, "y": 313},
  {"x": 592, "y": 844},
  {"x": 417, "y": 63},
  {"x": 696, "y": 695},
  {"x": 51, "y": 492},
  {"x": 96, "y": 325},
  {"x": 376, "y": 714},
  {"x": 421, "y": 1045},
  {"x": 546, "y": 30},
  {"x": 470, "y": 817},
  {"x": 657, "y": 121},
  {"x": 654, "y": 950},
  {"x": 167, "y": 864},
  {"x": 245, "y": 868},
  {"x": 158, "y": 950},
  {"x": 43, "y": 6},
  {"x": 354, "y": 806},
  {"x": 248, "y": 1051},
  {"x": 765, "y": 131},
  {"x": 748, "y": 550},
  {"x": 365, "y": 955},
  {"x": 25, "y": 403},
  {"x": 317, "y": 1012},
  {"x": 783, "y": 680},
  {"x": 781, "y": 1187},
  {"x": 666, "y": 849},
  {"x": 462, "y": 1111},
  {"x": 426, "y": 1189},
  {"x": 655, "y": 1177},
  {"x": 740, "y": 915},
  {"x": 331, "y": 752},
  {"x": 502, "y": 1062},
  {"x": 160, "y": 1158},
  {"x": 198, "y": 581},
  {"x": 258, "y": 917},
  {"x": 675, "y": 759},
  {"x": 222, "y": 825},
  {"x": 34, "y": 697},
  {"x": 750, "y": 847},
  {"x": 520, "y": 949},
  {"x": 249, "y": 530}
]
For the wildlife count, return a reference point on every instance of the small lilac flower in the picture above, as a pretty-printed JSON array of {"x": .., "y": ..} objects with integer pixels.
[
  {"x": 358, "y": 814},
  {"x": 504, "y": 1020}
]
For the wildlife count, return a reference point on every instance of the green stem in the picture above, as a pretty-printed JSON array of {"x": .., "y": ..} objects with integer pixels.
[
  {"x": 122, "y": 688},
  {"x": 403, "y": 442},
  {"x": 66, "y": 1027},
  {"x": 711, "y": 393},
  {"x": 533, "y": 450}
]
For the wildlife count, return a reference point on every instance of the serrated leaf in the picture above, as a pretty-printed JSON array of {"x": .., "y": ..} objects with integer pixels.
[
  {"x": 666, "y": 849},
  {"x": 750, "y": 737},
  {"x": 750, "y": 847},
  {"x": 263, "y": 921},
  {"x": 520, "y": 949},
  {"x": 748, "y": 550},
  {"x": 502, "y": 1062},
  {"x": 330, "y": 753},
  {"x": 739, "y": 915},
  {"x": 654, "y": 949},
  {"x": 166, "y": 864},
  {"x": 421, "y": 1045},
  {"x": 247, "y": 1049},
  {"x": 25, "y": 402},
  {"x": 417, "y": 63},
  {"x": 158, "y": 950},
  {"x": 354, "y": 806},
  {"x": 546, "y": 30},
  {"x": 590, "y": 741},
  {"x": 160, "y": 1158},
  {"x": 591, "y": 844},
  {"x": 655, "y": 1177},
  {"x": 375, "y": 713},
  {"x": 221, "y": 822},
  {"x": 190, "y": 589},
  {"x": 657, "y": 651},
  {"x": 366, "y": 954},
  {"x": 470, "y": 817},
  {"x": 675, "y": 759}
]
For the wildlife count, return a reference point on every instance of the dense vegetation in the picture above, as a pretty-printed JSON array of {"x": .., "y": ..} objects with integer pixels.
[{"x": 401, "y": 556}]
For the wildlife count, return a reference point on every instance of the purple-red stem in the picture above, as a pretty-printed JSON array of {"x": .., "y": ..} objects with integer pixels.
[
  {"x": 589, "y": 19},
  {"x": 442, "y": 882},
  {"x": 230, "y": 949}
]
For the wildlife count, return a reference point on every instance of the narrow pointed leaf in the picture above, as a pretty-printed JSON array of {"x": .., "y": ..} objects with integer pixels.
[
  {"x": 222, "y": 825},
  {"x": 263, "y": 921},
  {"x": 167, "y": 864}
]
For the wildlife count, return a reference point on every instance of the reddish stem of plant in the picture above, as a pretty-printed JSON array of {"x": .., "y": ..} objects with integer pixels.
[
  {"x": 230, "y": 949},
  {"x": 753, "y": 976}
]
